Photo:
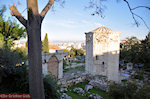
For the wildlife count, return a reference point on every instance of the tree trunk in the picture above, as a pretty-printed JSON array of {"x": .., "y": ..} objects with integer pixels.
[
  {"x": 34, "y": 51},
  {"x": 35, "y": 59},
  {"x": 33, "y": 26}
]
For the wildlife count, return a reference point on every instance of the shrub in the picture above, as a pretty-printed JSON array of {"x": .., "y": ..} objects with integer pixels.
[
  {"x": 9, "y": 59},
  {"x": 50, "y": 86},
  {"x": 15, "y": 82},
  {"x": 124, "y": 91},
  {"x": 14, "y": 79},
  {"x": 143, "y": 93},
  {"x": 139, "y": 75}
]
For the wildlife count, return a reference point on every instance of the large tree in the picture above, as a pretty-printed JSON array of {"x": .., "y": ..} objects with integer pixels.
[
  {"x": 45, "y": 47},
  {"x": 33, "y": 26}
]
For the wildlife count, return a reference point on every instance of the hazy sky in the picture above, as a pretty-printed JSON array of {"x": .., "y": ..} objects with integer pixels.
[{"x": 73, "y": 20}]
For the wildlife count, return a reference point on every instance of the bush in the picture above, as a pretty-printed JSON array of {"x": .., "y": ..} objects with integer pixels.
[
  {"x": 143, "y": 93},
  {"x": 128, "y": 91},
  {"x": 139, "y": 75},
  {"x": 14, "y": 75},
  {"x": 10, "y": 59},
  {"x": 50, "y": 86},
  {"x": 15, "y": 82},
  {"x": 124, "y": 91}
]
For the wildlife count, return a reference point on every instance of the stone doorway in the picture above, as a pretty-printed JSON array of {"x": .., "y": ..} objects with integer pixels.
[{"x": 53, "y": 65}]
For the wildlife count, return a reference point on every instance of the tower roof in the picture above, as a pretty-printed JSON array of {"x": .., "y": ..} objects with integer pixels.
[{"x": 102, "y": 29}]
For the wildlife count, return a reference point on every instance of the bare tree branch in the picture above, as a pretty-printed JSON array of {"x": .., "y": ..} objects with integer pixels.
[
  {"x": 47, "y": 7},
  {"x": 15, "y": 12},
  {"x": 133, "y": 14},
  {"x": 98, "y": 6},
  {"x": 142, "y": 20},
  {"x": 141, "y": 7}
]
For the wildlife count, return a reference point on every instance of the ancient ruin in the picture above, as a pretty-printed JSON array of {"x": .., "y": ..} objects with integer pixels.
[
  {"x": 102, "y": 52},
  {"x": 53, "y": 63}
]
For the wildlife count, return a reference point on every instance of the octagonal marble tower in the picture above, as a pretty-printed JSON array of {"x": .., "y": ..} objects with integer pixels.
[{"x": 102, "y": 52}]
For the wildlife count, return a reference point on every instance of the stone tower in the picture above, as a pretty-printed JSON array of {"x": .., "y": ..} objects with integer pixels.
[{"x": 102, "y": 52}]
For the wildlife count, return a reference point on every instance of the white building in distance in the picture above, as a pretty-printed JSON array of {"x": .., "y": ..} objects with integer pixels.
[{"x": 102, "y": 52}]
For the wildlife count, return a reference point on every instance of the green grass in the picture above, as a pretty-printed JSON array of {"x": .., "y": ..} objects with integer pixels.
[
  {"x": 82, "y": 85},
  {"x": 99, "y": 92},
  {"x": 75, "y": 95},
  {"x": 77, "y": 61},
  {"x": 81, "y": 68},
  {"x": 66, "y": 70},
  {"x": 68, "y": 64}
]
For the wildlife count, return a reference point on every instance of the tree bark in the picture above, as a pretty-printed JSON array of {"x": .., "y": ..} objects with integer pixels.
[
  {"x": 34, "y": 51},
  {"x": 35, "y": 63}
]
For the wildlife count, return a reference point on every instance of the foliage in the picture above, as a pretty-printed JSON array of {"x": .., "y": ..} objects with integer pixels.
[
  {"x": 77, "y": 61},
  {"x": 10, "y": 30},
  {"x": 20, "y": 84},
  {"x": 65, "y": 50},
  {"x": 23, "y": 51},
  {"x": 9, "y": 59},
  {"x": 139, "y": 75},
  {"x": 143, "y": 93},
  {"x": 19, "y": 81},
  {"x": 80, "y": 52},
  {"x": 136, "y": 52},
  {"x": 74, "y": 52},
  {"x": 128, "y": 91},
  {"x": 124, "y": 91},
  {"x": 50, "y": 86},
  {"x": 1, "y": 40},
  {"x": 45, "y": 48},
  {"x": 146, "y": 51}
]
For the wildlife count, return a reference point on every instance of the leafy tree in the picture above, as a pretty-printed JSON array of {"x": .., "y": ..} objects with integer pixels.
[
  {"x": 145, "y": 51},
  {"x": 72, "y": 52},
  {"x": 80, "y": 52},
  {"x": 9, "y": 30},
  {"x": 129, "y": 49},
  {"x": 45, "y": 48},
  {"x": 137, "y": 52}
]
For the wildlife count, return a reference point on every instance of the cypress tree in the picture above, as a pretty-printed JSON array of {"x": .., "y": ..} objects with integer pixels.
[{"x": 45, "y": 48}]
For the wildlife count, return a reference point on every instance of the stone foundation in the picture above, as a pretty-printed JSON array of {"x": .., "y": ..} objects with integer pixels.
[{"x": 96, "y": 81}]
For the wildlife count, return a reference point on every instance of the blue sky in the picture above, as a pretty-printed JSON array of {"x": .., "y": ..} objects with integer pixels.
[{"x": 73, "y": 20}]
